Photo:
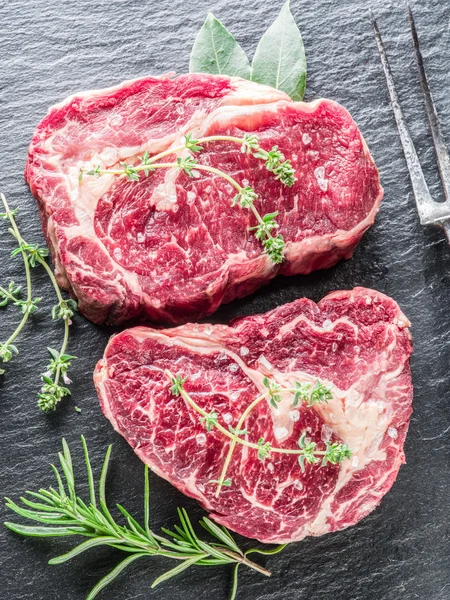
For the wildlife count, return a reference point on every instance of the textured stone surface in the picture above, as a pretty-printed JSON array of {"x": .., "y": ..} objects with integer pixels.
[{"x": 51, "y": 49}]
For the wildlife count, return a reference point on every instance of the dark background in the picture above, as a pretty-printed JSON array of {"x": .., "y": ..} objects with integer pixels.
[{"x": 52, "y": 48}]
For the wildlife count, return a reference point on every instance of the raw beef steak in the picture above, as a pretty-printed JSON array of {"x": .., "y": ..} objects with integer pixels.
[
  {"x": 170, "y": 248},
  {"x": 355, "y": 341}
]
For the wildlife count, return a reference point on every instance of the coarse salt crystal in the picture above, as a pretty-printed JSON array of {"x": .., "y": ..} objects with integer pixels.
[
  {"x": 233, "y": 367},
  {"x": 208, "y": 330},
  {"x": 306, "y": 138},
  {"x": 281, "y": 432},
  {"x": 323, "y": 184},
  {"x": 392, "y": 433},
  {"x": 294, "y": 415},
  {"x": 327, "y": 324},
  {"x": 234, "y": 395},
  {"x": 191, "y": 197},
  {"x": 271, "y": 467},
  {"x": 334, "y": 346},
  {"x": 117, "y": 252},
  {"x": 298, "y": 485},
  {"x": 228, "y": 417},
  {"x": 319, "y": 172},
  {"x": 201, "y": 438},
  {"x": 140, "y": 237},
  {"x": 326, "y": 433},
  {"x": 244, "y": 351}
]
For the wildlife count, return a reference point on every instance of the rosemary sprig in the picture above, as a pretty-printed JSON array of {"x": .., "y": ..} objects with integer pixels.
[
  {"x": 274, "y": 160},
  {"x": 33, "y": 255},
  {"x": 63, "y": 514},
  {"x": 334, "y": 453}
]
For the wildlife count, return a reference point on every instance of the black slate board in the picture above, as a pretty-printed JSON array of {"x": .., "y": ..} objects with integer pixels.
[{"x": 50, "y": 49}]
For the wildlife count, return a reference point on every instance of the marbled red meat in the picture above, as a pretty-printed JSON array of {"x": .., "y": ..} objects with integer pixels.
[
  {"x": 170, "y": 248},
  {"x": 356, "y": 341}
]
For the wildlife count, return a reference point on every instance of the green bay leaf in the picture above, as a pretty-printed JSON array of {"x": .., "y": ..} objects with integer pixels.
[
  {"x": 215, "y": 51},
  {"x": 280, "y": 59}
]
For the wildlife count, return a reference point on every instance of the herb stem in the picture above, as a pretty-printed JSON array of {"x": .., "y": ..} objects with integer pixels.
[
  {"x": 234, "y": 441},
  {"x": 66, "y": 321},
  {"x": 229, "y": 435},
  {"x": 15, "y": 232},
  {"x": 204, "y": 140},
  {"x": 242, "y": 559},
  {"x": 55, "y": 285}
]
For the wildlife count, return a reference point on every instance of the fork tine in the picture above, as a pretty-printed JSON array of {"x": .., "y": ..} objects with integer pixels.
[
  {"x": 442, "y": 156},
  {"x": 424, "y": 201}
]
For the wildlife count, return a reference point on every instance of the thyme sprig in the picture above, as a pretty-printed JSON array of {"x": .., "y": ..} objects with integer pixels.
[
  {"x": 62, "y": 513},
  {"x": 334, "y": 453},
  {"x": 51, "y": 392},
  {"x": 8, "y": 348},
  {"x": 274, "y": 161}
]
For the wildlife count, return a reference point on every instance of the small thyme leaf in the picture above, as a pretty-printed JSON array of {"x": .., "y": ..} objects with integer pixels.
[
  {"x": 264, "y": 229},
  {"x": 274, "y": 248},
  {"x": 302, "y": 393},
  {"x": 285, "y": 173},
  {"x": 187, "y": 164},
  {"x": 210, "y": 421},
  {"x": 264, "y": 449},
  {"x": 244, "y": 198},
  {"x": 237, "y": 431},
  {"x": 274, "y": 391},
  {"x": 65, "y": 309},
  {"x": 95, "y": 172},
  {"x": 178, "y": 385},
  {"x": 225, "y": 483},
  {"x": 6, "y": 215},
  {"x": 130, "y": 172},
  {"x": 11, "y": 294},
  {"x": 34, "y": 253},
  {"x": 145, "y": 162},
  {"x": 308, "y": 451},
  {"x": 335, "y": 453},
  {"x": 320, "y": 394},
  {"x": 192, "y": 144},
  {"x": 7, "y": 351},
  {"x": 250, "y": 142}
]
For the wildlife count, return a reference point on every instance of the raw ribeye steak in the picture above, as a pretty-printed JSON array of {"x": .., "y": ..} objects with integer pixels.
[
  {"x": 171, "y": 248},
  {"x": 357, "y": 343}
]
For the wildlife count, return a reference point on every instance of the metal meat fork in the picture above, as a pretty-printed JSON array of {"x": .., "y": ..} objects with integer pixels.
[{"x": 430, "y": 212}]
